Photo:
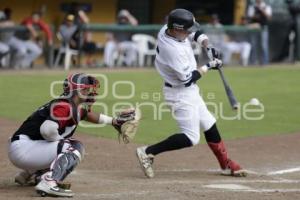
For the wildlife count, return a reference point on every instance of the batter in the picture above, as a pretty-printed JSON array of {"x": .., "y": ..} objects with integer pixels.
[{"x": 176, "y": 64}]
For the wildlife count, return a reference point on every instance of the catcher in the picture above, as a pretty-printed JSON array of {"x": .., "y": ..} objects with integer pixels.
[{"x": 43, "y": 146}]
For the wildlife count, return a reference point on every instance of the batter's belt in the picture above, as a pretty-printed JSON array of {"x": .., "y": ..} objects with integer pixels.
[
  {"x": 171, "y": 86},
  {"x": 14, "y": 138}
]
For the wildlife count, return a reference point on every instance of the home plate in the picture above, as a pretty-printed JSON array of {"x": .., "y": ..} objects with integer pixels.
[{"x": 228, "y": 186}]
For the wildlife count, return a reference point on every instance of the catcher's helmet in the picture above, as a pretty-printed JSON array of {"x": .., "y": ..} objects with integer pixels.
[
  {"x": 79, "y": 81},
  {"x": 182, "y": 19}
]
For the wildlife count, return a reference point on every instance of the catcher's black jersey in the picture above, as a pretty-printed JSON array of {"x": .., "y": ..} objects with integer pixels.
[{"x": 62, "y": 111}]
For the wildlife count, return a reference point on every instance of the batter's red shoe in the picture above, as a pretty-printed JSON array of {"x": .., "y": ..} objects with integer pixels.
[
  {"x": 233, "y": 169},
  {"x": 229, "y": 167}
]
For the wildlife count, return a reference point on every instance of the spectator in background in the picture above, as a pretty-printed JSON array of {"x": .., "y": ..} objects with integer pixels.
[
  {"x": 4, "y": 48},
  {"x": 120, "y": 42},
  {"x": 32, "y": 39},
  {"x": 88, "y": 45},
  {"x": 228, "y": 45},
  {"x": 261, "y": 13},
  {"x": 291, "y": 46},
  {"x": 70, "y": 35},
  {"x": 80, "y": 17},
  {"x": 18, "y": 50},
  {"x": 35, "y": 20},
  {"x": 8, "y": 13},
  {"x": 67, "y": 31}
]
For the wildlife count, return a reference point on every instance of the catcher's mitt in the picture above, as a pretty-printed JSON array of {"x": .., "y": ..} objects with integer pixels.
[{"x": 126, "y": 123}]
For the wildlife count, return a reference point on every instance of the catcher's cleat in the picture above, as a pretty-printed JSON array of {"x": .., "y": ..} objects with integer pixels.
[
  {"x": 64, "y": 185},
  {"x": 145, "y": 161},
  {"x": 48, "y": 187},
  {"x": 23, "y": 178},
  {"x": 233, "y": 169}
]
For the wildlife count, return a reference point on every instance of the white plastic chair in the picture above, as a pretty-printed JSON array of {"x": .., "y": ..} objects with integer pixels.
[
  {"x": 118, "y": 58},
  {"x": 65, "y": 49},
  {"x": 5, "y": 60},
  {"x": 143, "y": 41}
]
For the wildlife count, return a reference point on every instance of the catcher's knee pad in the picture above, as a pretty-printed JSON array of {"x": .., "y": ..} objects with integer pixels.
[{"x": 71, "y": 145}]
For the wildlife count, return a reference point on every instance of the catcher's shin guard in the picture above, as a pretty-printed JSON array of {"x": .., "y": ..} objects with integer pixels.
[
  {"x": 64, "y": 165},
  {"x": 66, "y": 160}
]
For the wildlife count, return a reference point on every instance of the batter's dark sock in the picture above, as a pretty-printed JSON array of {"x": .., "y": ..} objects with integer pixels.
[
  {"x": 174, "y": 142},
  {"x": 212, "y": 135}
]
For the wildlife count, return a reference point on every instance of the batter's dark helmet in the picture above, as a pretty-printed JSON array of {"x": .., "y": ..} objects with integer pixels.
[{"x": 182, "y": 19}]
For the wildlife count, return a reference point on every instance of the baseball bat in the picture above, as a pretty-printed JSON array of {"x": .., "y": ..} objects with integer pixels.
[{"x": 232, "y": 100}]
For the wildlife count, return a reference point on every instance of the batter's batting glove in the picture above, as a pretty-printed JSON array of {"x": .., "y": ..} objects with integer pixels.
[
  {"x": 214, "y": 64},
  {"x": 213, "y": 53}
]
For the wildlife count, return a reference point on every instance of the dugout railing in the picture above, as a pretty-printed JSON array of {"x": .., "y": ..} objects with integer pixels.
[
  {"x": 48, "y": 51},
  {"x": 235, "y": 31}
]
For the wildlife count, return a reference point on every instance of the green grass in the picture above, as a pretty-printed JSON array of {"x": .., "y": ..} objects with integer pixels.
[{"x": 276, "y": 87}]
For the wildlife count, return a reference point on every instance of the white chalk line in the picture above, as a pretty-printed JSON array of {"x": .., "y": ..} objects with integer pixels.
[
  {"x": 290, "y": 190},
  {"x": 250, "y": 172},
  {"x": 235, "y": 180},
  {"x": 203, "y": 184},
  {"x": 243, "y": 188},
  {"x": 274, "y": 180},
  {"x": 229, "y": 186},
  {"x": 146, "y": 181},
  {"x": 115, "y": 194},
  {"x": 202, "y": 190},
  {"x": 285, "y": 171}
]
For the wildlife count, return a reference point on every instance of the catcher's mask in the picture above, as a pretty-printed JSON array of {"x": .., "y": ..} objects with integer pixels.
[{"x": 74, "y": 83}]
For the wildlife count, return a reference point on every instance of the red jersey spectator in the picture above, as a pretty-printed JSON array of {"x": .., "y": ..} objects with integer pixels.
[{"x": 35, "y": 20}]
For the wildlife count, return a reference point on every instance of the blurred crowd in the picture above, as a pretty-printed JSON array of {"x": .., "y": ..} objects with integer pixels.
[{"x": 20, "y": 49}]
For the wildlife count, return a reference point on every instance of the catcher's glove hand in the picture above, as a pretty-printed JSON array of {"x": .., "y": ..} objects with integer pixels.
[{"x": 126, "y": 123}]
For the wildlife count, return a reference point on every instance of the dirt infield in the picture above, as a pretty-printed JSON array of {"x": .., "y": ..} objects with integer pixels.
[{"x": 111, "y": 171}]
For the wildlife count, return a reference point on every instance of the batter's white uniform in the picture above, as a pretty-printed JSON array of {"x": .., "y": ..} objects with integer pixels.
[{"x": 175, "y": 62}]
